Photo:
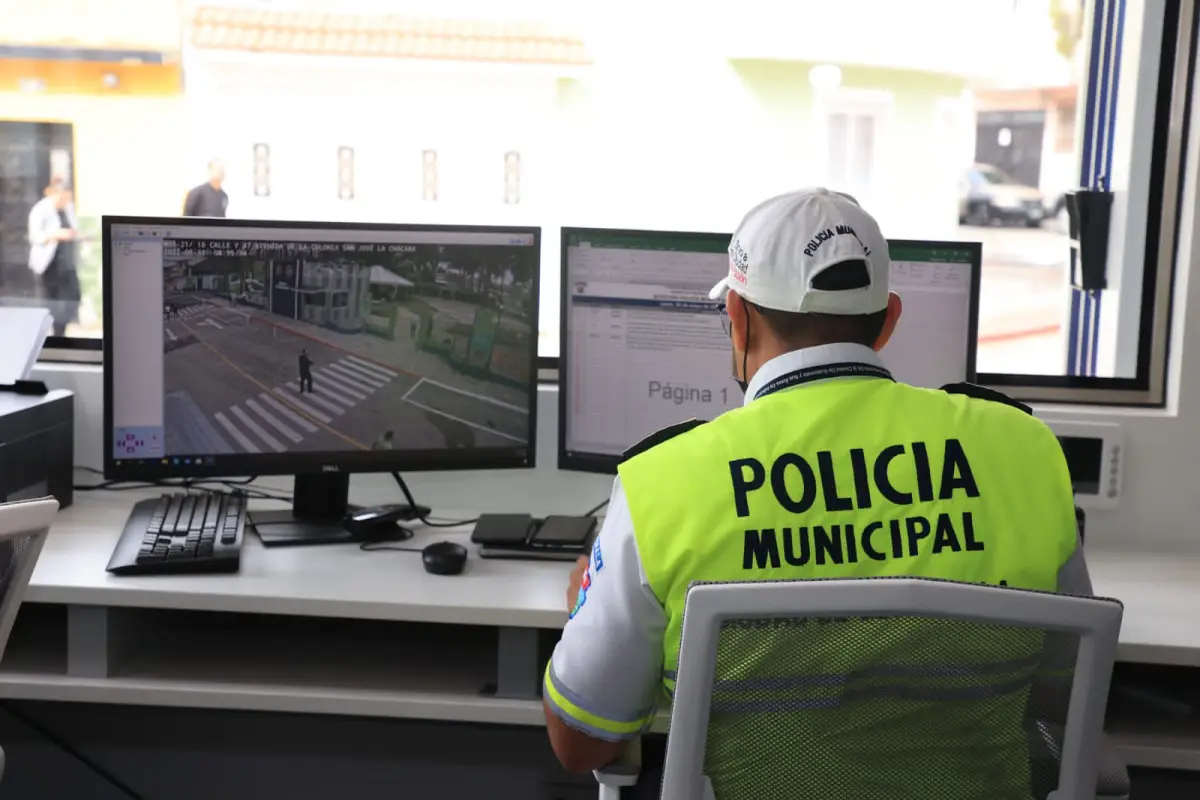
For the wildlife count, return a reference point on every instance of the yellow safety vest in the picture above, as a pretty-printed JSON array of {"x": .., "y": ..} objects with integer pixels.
[{"x": 854, "y": 477}]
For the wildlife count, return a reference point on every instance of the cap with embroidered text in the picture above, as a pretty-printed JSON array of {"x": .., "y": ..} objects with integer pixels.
[{"x": 784, "y": 244}]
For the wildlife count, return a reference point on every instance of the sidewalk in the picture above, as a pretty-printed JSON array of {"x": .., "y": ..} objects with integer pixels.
[{"x": 1020, "y": 303}]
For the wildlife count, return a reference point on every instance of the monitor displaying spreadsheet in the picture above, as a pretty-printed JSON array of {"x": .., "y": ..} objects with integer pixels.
[{"x": 642, "y": 346}]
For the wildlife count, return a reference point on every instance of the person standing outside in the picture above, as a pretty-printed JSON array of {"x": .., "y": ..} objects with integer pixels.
[
  {"x": 54, "y": 255},
  {"x": 306, "y": 378},
  {"x": 208, "y": 199},
  {"x": 830, "y": 469}
]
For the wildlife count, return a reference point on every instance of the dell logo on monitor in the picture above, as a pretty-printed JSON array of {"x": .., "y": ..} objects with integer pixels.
[{"x": 329, "y": 468}]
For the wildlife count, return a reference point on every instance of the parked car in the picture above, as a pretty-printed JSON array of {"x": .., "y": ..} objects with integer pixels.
[{"x": 987, "y": 196}]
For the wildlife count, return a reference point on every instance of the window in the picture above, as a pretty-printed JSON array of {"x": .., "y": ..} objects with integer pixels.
[
  {"x": 564, "y": 114},
  {"x": 429, "y": 175},
  {"x": 851, "y": 150},
  {"x": 512, "y": 177},
  {"x": 262, "y": 170},
  {"x": 854, "y": 127},
  {"x": 345, "y": 173}
]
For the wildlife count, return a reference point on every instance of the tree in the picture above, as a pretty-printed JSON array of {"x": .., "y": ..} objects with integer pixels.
[{"x": 1067, "y": 18}]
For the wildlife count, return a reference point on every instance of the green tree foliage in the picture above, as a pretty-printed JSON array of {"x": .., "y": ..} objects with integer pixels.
[{"x": 1067, "y": 18}]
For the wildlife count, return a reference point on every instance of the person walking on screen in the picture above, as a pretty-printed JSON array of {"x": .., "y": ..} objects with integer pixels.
[
  {"x": 386, "y": 441},
  {"x": 208, "y": 199},
  {"x": 305, "y": 372}
]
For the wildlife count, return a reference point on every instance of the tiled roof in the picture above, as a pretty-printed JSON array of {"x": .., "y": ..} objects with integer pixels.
[{"x": 382, "y": 36}]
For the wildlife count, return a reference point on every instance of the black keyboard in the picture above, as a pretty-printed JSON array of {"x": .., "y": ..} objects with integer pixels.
[{"x": 181, "y": 534}]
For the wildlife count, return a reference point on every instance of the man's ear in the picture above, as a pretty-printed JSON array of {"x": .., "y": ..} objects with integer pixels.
[
  {"x": 894, "y": 308},
  {"x": 737, "y": 310}
]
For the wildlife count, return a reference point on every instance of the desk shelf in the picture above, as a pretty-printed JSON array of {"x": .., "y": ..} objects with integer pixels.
[
  {"x": 1162, "y": 733},
  {"x": 1157, "y": 744},
  {"x": 270, "y": 663},
  {"x": 266, "y": 638}
]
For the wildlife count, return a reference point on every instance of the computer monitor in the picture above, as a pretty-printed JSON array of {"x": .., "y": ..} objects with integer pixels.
[
  {"x": 642, "y": 346},
  {"x": 236, "y": 347}
]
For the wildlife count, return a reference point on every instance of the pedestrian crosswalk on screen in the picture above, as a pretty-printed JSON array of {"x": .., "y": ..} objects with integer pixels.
[{"x": 232, "y": 343}]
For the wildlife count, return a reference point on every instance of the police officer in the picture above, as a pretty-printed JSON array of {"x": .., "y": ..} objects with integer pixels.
[{"x": 831, "y": 469}]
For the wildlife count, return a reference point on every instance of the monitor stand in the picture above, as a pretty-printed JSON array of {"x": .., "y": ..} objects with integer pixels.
[{"x": 320, "y": 503}]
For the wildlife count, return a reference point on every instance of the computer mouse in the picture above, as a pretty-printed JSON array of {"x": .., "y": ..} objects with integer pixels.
[{"x": 444, "y": 558}]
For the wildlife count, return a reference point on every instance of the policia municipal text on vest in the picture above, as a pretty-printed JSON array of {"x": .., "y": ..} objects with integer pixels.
[{"x": 853, "y": 475}]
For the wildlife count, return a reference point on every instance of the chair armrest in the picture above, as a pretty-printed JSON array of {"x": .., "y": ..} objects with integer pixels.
[{"x": 625, "y": 770}]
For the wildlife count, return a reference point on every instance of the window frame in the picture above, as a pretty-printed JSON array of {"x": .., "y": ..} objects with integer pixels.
[{"x": 1172, "y": 86}]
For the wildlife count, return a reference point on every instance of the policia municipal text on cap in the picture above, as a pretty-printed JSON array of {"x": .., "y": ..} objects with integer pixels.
[{"x": 831, "y": 469}]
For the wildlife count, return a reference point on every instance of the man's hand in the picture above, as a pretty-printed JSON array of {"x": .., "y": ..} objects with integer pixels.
[
  {"x": 581, "y": 565},
  {"x": 64, "y": 235}
]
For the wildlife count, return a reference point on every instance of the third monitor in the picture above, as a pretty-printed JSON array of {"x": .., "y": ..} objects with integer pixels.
[{"x": 642, "y": 346}]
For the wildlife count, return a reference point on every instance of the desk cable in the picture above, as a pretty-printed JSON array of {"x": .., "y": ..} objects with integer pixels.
[
  {"x": 595, "y": 509},
  {"x": 242, "y": 487},
  {"x": 407, "y": 533},
  {"x": 425, "y": 520},
  {"x": 57, "y": 741},
  {"x": 431, "y": 523}
]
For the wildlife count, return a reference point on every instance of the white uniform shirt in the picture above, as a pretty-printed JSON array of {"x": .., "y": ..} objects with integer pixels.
[{"x": 44, "y": 222}]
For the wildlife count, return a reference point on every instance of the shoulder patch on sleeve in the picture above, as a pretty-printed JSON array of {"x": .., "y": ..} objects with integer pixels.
[
  {"x": 983, "y": 393},
  {"x": 660, "y": 436}
]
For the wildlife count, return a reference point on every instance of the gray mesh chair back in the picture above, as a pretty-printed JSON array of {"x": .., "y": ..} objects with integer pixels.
[
  {"x": 888, "y": 689},
  {"x": 24, "y": 526},
  {"x": 23, "y": 529}
]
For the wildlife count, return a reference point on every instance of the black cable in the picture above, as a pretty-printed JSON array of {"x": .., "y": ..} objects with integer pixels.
[
  {"x": 186, "y": 484},
  {"x": 408, "y": 496},
  {"x": 375, "y": 547},
  {"x": 104, "y": 774},
  {"x": 596, "y": 510},
  {"x": 117, "y": 486}
]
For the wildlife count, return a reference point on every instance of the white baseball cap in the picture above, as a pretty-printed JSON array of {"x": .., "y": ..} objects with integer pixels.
[{"x": 785, "y": 243}]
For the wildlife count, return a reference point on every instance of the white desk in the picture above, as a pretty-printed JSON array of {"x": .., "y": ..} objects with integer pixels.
[
  {"x": 1161, "y": 594},
  {"x": 320, "y": 581},
  {"x": 336, "y": 630}
]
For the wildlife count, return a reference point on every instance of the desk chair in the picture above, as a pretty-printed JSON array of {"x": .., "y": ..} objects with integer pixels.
[
  {"x": 934, "y": 690},
  {"x": 23, "y": 530}
]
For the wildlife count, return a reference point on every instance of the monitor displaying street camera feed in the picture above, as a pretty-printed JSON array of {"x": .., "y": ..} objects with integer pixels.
[{"x": 275, "y": 347}]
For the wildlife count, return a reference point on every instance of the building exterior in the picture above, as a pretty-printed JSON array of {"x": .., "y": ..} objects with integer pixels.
[
  {"x": 336, "y": 296},
  {"x": 111, "y": 69},
  {"x": 454, "y": 113}
]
